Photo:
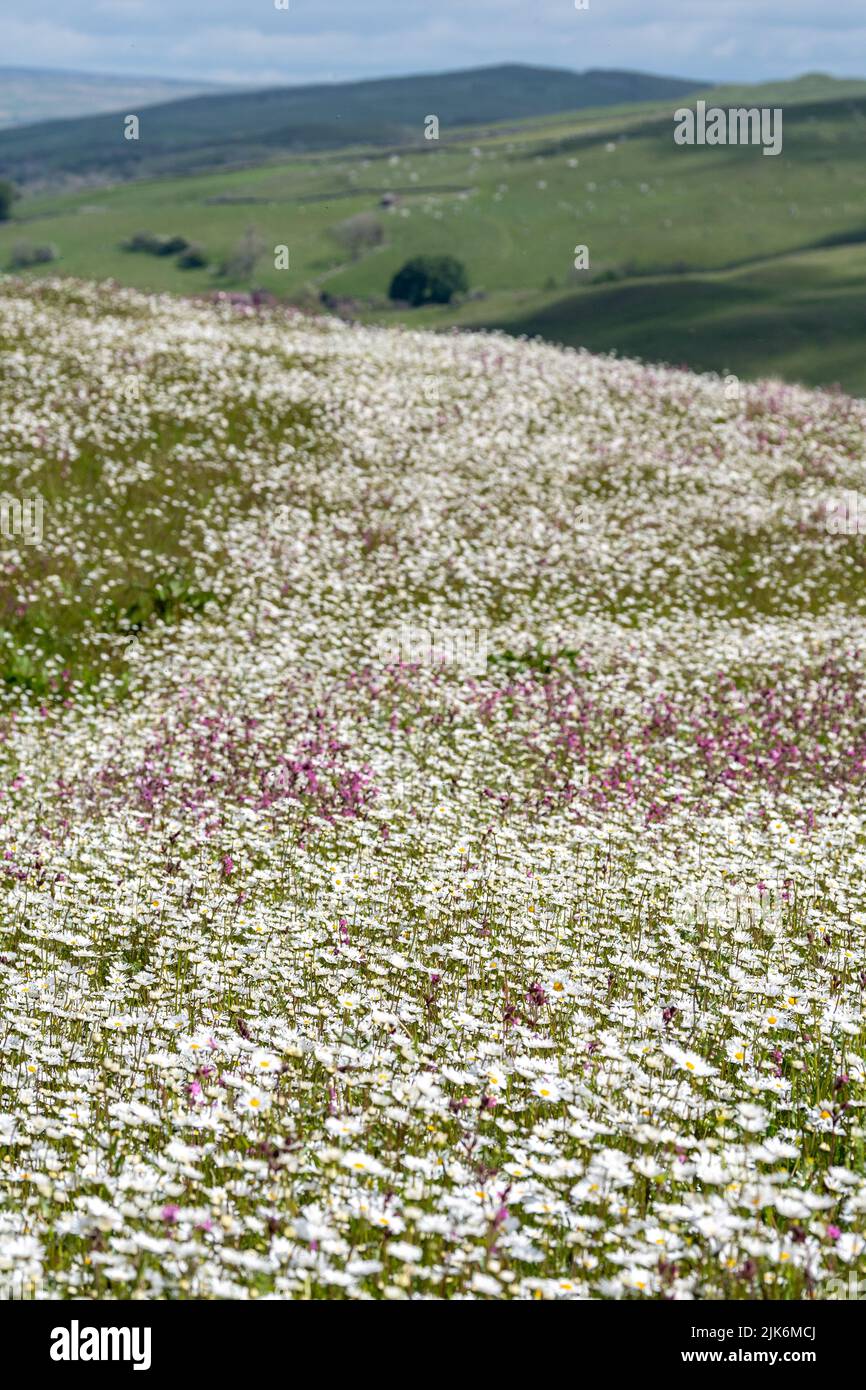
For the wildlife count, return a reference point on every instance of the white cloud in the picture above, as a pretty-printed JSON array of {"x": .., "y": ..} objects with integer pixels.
[{"x": 246, "y": 42}]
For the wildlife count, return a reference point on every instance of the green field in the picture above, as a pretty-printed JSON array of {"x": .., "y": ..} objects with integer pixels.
[{"x": 719, "y": 258}]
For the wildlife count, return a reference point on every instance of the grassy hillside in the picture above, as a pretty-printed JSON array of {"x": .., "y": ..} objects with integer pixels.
[
  {"x": 246, "y": 127},
  {"x": 801, "y": 317},
  {"x": 524, "y": 961},
  {"x": 41, "y": 94},
  {"x": 719, "y": 258}
]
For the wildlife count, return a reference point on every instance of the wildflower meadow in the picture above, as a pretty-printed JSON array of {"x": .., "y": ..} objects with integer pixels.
[{"x": 431, "y": 816}]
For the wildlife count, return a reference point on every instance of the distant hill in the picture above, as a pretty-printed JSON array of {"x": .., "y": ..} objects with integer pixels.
[
  {"x": 242, "y": 128},
  {"x": 42, "y": 94},
  {"x": 715, "y": 257}
]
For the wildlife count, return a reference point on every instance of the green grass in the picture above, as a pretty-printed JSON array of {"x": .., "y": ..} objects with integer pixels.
[
  {"x": 124, "y": 515},
  {"x": 718, "y": 258},
  {"x": 802, "y": 318}
]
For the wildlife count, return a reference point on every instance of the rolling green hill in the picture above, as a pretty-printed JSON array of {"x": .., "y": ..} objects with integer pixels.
[
  {"x": 718, "y": 258},
  {"x": 246, "y": 127}
]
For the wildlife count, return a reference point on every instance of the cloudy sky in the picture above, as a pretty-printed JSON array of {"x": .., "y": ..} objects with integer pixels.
[{"x": 252, "y": 42}]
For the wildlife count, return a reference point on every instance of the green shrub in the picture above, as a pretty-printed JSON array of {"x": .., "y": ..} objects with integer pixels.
[
  {"x": 358, "y": 234},
  {"x": 171, "y": 245},
  {"x": 429, "y": 280},
  {"x": 140, "y": 241},
  {"x": 24, "y": 254},
  {"x": 193, "y": 258},
  {"x": 153, "y": 244}
]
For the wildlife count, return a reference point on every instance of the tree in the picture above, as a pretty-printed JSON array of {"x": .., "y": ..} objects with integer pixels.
[
  {"x": 171, "y": 245},
  {"x": 429, "y": 280},
  {"x": 360, "y": 233},
  {"x": 155, "y": 244},
  {"x": 24, "y": 254},
  {"x": 8, "y": 194},
  {"x": 193, "y": 258},
  {"x": 245, "y": 257}
]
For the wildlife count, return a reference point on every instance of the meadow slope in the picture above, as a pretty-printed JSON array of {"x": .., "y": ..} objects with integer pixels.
[{"x": 325, "y": 973}]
